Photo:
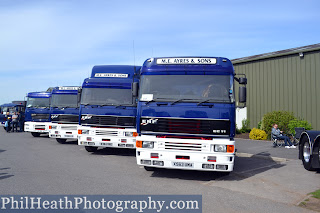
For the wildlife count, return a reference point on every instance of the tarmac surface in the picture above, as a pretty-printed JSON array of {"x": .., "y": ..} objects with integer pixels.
[{"x": 265, "y": 179}]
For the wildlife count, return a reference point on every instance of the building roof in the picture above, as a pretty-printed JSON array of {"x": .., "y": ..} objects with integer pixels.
[{"x": 291, "y": 51}]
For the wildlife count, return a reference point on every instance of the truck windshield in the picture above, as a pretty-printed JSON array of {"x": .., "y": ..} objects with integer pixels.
[
  {"x": 106, "y": 96},
  {"x": 187, "y": 88},
  {"x": 64, "y": 100},
  {"x": 38, "y": 102}
]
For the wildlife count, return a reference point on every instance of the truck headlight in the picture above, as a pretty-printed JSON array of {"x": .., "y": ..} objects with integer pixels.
[
  {"x": 85, "y": 132},
  {"x": 53, "y": 127},
  {"x": 130, "y": 134},
  {"x": 220, "y": 148},
  {"x": 148, "y": 144}
]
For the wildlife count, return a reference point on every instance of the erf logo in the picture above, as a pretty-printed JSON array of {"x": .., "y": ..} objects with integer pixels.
[
  {"x": 149, "y": 121},
  {"x": 54, "y": 116},
  {"x": 86, "y": 117}
]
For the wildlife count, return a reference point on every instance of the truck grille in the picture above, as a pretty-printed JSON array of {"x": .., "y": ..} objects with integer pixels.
[
  {"x": 64, "y": 118},
  {"x": 69, "y": 127},
  {"x": 108, "y": 120},
  {"x": 183, "y": 146},
  {"x": 107, "y": 132},
  {"x": 185, "y": 126},
  {"x": 40, "y": 116}
]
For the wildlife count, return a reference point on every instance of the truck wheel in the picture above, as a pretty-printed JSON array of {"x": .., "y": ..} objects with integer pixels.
[
  {"x": 306, "y": 154},
  {"x": 35, "y": 134},
  {"x": 62, "y": 141},
  {"x": 91, "y": 148},
  {"x": 148, "y": 168}
]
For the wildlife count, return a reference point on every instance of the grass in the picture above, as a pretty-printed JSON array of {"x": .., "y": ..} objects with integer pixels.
[{"x": 316, "y": 194}]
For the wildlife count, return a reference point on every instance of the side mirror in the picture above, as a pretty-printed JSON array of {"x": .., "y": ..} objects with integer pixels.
[
  {"x": 242, "y": 94},
  {"x": 243, "y": 81},
  {"x": 135, "y": 89}
]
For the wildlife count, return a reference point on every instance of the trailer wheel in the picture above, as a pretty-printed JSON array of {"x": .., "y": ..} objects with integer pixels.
[
  {"x": 91, "y": 148},
  {"x": 306, "y": 154},
  {"x": 60, "y": 140},
  {"x": 35, "y": 134},
  {"x": 149, "y": 168}
]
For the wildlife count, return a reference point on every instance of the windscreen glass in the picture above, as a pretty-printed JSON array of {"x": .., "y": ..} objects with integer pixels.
[
  {"x": 188, "y": 88},
  {"x": 106, "y": 96},
  {"x": 64, "y": 100},
  {"x": 38, "y": 102}
]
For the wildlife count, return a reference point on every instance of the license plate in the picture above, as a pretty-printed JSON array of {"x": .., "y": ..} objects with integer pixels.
[
  {"x": 68, "y": 136},
  {"x": 182, "y": 164}
]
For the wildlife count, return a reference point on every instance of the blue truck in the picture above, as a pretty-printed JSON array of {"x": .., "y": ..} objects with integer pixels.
[
  {"x": 108, "y": 107},
  {"x": 186, "y": 113},
  {"x": 37, "y": 115},
  {"x": 65, "y": 103},
  {"x": 10, "y": 108},
  {"x": 309, "y": 150}
]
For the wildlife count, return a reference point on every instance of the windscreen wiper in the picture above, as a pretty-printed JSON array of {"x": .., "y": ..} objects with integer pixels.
[
  {"x": 202, "y": 102},
  {"x": 182, "y": 99},
  {"x": 212, "y": 100},
  {"x": 148, "y": 102}
]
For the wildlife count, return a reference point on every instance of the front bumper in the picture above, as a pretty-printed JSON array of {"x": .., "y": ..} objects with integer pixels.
[
  {"x": 106, "y": 137},
  {"x": 187, "y": 154},
  {"x": 40, "y": 127},
  {"x": 63, "y": 131}
]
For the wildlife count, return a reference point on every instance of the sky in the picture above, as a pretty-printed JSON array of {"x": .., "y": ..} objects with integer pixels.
[{"x": 47, "y": 43}]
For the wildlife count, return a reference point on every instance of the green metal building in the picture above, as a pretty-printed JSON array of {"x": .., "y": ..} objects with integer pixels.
[{"x": 284, "y": 80}]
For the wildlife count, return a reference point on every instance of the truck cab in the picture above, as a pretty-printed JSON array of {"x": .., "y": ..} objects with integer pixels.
[
  {"x": 186, "y": 114},
  {"x": 108, "y": 108},
  {"x": 37, "y": 115},
  {"x": 65, "y": 103}
]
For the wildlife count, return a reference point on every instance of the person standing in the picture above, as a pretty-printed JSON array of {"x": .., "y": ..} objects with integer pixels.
[
  {"x": 20, "y": 121},
  {"x": 14, "y": 122}
]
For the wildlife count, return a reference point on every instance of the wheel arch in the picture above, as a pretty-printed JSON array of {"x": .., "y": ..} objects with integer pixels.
[{"x": 303, "y": 136}]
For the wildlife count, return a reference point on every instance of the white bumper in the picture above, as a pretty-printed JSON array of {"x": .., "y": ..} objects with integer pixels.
[
  {"x": 63, "y": 131},
  {"x": 107, "y": 137},
  {"x": 40, "y": 127},
  {"x": 189, "y": 154}
]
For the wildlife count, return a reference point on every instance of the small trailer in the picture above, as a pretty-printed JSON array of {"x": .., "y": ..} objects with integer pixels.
[{"x": 309, "y": 150}]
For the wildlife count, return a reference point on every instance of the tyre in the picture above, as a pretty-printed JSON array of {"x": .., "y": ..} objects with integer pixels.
[
  {"x": 306, "y": 154},
  {"x": 60, "y": 140},
  {"x": 35, "y": 134},
  {"x": 91, "y": 148},
  {"x": 148, "y": 168}
]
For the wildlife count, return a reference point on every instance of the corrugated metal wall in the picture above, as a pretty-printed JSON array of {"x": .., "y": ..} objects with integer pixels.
[{"x": 286, "y": 83}]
